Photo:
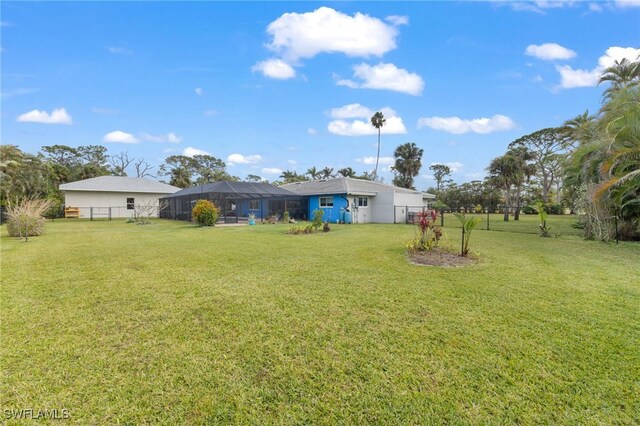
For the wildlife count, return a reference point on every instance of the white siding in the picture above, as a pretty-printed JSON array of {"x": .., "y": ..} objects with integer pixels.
[
  {"x": 101, "y": 200},
  {"x": 381, "y": 207}
]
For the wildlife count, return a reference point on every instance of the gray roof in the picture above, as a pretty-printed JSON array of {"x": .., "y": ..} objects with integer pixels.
[
  {"x": 349, "y": 186},
  {"x": 237, "y": 189},
  {"x": 120, "y": 184}
]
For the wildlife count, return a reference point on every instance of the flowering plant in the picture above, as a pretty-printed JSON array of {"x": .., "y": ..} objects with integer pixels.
[
  {"x": 252, "y": 216},
  {"x": 430, "y": 234}
]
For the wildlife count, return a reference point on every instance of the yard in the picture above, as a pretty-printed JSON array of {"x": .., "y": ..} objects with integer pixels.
[{"x": 172, "y": 323}]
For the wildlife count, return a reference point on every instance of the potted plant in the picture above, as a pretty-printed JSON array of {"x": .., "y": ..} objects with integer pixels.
[{"x": 252, "y": 218}]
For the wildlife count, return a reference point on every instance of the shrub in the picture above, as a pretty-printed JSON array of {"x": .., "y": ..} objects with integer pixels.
[
  {"x": 298, "y": 230},
  {"x": 429, "y": 234},
  {"x": 317, "y": 218},
  {"x": 529, "y": 210},
  {"x": 285, "y": 217},
  {"x": 25, "y": 218},
  {"x": 55, "y": 209},
  {"x": 205, "y": 213},
  {"x": 542, "y": 215},
  {"x": 326, "y": 227}
]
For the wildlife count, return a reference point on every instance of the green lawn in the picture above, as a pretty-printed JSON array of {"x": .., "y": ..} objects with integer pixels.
[{"x": 171, "y": 323}]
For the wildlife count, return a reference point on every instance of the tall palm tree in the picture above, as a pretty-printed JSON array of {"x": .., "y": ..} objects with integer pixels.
[
  {"x": 407, "y": 165},
  {"x": 503, "y": 173},
  {"x": 622, "y": 74},
  {"x": 377, "y": 121},
  {"x": 581, "y": 129},
  {"x": 313, "y": 173}
]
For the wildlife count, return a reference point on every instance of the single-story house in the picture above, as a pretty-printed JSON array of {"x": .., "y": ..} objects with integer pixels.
[
  {"x": 114, "y": 196},
  {"x": 235, "y": 200},
  {"x": 367, "y": 201}
]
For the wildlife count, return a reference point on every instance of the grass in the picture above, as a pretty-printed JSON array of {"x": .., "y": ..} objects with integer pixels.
[{"x": 170, "y": 323}]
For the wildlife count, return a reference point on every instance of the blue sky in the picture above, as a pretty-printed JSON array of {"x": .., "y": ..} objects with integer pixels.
[{"x": 270, "y": 86}]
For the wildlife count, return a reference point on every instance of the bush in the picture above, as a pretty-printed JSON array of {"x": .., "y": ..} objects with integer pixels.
[
  {"x": 299, "y": 230},
  {"x": 205, "y": 213},
  {"x": 429, "y": 233},
  {"x": 25, "y": 218},
  {"x": 326, "y": 227},
  {"x": 529, "y": 210},
  {"x": 285, "y": 217},
  {"x": 317, "y": 218}
]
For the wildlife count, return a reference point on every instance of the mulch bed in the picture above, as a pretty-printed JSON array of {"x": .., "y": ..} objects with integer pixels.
[{"x": 439, "y": 257}]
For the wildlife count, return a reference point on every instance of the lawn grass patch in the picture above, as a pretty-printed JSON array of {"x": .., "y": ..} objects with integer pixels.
[{"x": 173, "y": 323}]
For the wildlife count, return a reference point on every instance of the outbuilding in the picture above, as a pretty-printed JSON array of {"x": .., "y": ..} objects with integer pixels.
[
  {"x": 114, "y": 196},
  {"x": 361, "y": 201}
]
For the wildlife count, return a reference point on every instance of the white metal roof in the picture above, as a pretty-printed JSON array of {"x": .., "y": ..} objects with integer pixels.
[{"x": 119, "y": 184}]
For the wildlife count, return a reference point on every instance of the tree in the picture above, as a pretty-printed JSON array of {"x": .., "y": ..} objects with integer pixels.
[
  {"x": 347, "y": 172},
  {"x": 22, "y": 175},
  {"x": 503, "y": 172},
  {"x": 545, "y": 145},
  {"x": 377, "y": 121},
  {"x": 119, "y": 164},
  {"x": 326, "y": 173},
  {"x": 209, "y": 169},
  {"x": 180, "y": 168},
  {"x": 143, "y": 168},
  {"x": 253, "y": 178},
  {"x": 622, "y": 75},
  {"x": 440, "y": 171},
  {"x": 313, "y": 173},
  {"x": 524, "y": 169},
  {"x": 408, "y": 161},
  {"x": 289, "y": 176}
]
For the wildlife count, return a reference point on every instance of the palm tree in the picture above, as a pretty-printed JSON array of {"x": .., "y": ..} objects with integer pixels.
[
  {"x": 407, "y": 165},
  {"x": 377, "y": 121},
  {"x": 347, "y": 172},
  {"x": 503, "y": 173},
  {"x": 326, "y": 173},
  {"x": 622, "y": 74},
  {"x": 313, "y": 173}
]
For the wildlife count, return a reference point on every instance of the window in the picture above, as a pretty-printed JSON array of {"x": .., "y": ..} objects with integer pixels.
[
  {"x": 130, "y": 204},
  {"x": 363, "y": 201},
  {"x": 326, "y": 201},
  {"x": 254, "y": 204}
]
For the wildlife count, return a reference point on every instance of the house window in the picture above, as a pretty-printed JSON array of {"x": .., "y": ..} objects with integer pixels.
[
  {"x": 363, "y": 201},
  {"x": 254, "y": 204},
  {"x": 326, "y": 201},
  {"x": 130, "y": 204}
]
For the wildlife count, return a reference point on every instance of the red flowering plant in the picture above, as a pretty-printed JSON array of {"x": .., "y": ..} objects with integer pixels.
[{"x": 429, "y": 234}]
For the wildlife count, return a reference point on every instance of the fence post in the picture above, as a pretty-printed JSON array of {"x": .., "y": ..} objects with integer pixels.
[
  {"x": 487, "y": 218},
  {"x": 406, "y": 214},
  {"x": 462, "y": 243},
  {"x": 91, "y": 212},
  {"x": 109, "y": 212},
  {"x": 442, "y": 218},
  {"x": 616, "y": 222}
]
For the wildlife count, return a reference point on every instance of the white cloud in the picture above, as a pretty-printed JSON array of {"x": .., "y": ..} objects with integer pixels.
[
  {"x": 57, "y": 116},
  {"x": 243, "y": 159},
  {"x": 372, "y": 160},
  {"x": 537, "y": 6},
  {"x": 351, "y": 111},
  {"x": 292, "y": 162},
  {"x": 343, "y": 127},
  {"x": 571, "y": 78},
  {"x": 458, "y": 125},
  {"x": 398, "y": 20},
  {"x": 191, "y": 151},
  {"x": 18, "y": 92},
  {"x": 199, "y": 91},
  {"x": 549, "y": 51},
  {"x": 312, "y": 131},
  {"x": 272, "y": 170},
  {"x": 119, "y": 136},
  {"x": 455, "y": 166},
  {"x": 595, "y": 7},
  {"x": 275, "y": 68},
  {"x": 384, "y": 77},
  {"x": 304, "y": 35},
  {"x": 119, "y": 50},
  {"x": 169, "y": 138},
  {"x": 623, "y": 4},
  {"x": 210, "y": 112}
]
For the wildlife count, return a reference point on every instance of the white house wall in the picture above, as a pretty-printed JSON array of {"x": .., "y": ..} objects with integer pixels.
[
  {"x": 381, "y": 207},
  {"x": 100, "y": 201}
]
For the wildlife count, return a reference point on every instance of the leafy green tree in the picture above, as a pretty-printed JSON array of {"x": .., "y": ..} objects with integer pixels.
[
  {"x": 546, "y": 147},
  {"x": 180, "y": 169},
  {"x": 440, "y": 172},
  {"x": 622, "y": 74},
  {"x": 408, "y": 161},
  {"x": 290, "y": 176},
  {"x": 503, "y": 174},
  {"x": 326, "y": 173},
  {"x": 377, "y": 121},
  {"x": 253, "y": 178}
]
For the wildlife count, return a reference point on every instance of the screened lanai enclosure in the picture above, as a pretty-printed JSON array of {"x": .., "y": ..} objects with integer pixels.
[{"x": 235, "y": 201}]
